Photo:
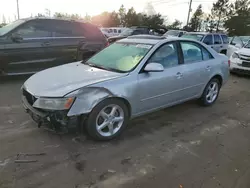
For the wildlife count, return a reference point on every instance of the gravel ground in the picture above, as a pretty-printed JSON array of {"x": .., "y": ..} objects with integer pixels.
[{"x": 186, "y": 146}]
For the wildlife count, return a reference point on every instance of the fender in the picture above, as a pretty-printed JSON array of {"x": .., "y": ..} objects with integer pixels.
[{"x": 87, "y": 99}]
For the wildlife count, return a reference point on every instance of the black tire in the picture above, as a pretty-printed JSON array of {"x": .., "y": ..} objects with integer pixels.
[
  {"x": 203, "y": 99},
  {"x": 91, "y": 121}
]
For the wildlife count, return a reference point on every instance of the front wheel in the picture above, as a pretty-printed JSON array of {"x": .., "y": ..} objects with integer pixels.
[
  {"x": 211, "y": 92},
  {"x": 107, "y": 120}
]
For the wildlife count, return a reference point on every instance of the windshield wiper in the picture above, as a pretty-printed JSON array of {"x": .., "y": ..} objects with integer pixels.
[{"x": 102, "y": 67}]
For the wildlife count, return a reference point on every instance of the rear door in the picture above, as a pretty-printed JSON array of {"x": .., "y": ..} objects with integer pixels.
[
  {"x": 196, "y": 69},
  {"x": 28, "y": 54},
  {"x": 65, "y": 41}
]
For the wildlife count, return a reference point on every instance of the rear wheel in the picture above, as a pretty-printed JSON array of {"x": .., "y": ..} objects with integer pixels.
[
  {"x": 107, "y": 120},
  {"x": 211, "y": 92}
]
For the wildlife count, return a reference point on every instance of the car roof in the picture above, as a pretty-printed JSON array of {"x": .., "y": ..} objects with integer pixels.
[
  {"x": 205, "y": 33},
  {"x": 46, "y": 18},
  {"x": 151, "y": 39}
]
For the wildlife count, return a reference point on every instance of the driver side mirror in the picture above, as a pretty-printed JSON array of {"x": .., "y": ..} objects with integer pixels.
[
  {"x": 154, "y": 67},
  {"x": 16, "y": 37}
]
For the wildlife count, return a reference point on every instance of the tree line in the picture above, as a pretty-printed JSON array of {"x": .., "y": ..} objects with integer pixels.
[{"x": 234, "y": 17}]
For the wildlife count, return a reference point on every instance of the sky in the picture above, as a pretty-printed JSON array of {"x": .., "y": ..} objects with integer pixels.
[{"x": 173, "y": 9}]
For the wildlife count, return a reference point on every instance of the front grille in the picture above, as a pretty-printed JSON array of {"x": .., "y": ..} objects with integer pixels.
[
  {"x": 245, "y": 64},
  {"x": 30, "y": 98},
  {"x": 245, "y": 57}
]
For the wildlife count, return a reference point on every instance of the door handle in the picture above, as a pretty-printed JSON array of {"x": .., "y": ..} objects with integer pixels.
[
  {"x": 45, "y": 43},
  {"x": 179, "y": 75},
  {"x": 208, "y": 68}
]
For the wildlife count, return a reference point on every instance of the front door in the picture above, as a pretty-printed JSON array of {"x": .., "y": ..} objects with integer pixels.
[
  {"x": 28, "y": 53},
  {"x": 159, "y": 89}
]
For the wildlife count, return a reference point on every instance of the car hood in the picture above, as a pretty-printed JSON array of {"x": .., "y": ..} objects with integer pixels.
[
  {"x": 61, "y": 80},
  {"x": 244, "y": 51}
]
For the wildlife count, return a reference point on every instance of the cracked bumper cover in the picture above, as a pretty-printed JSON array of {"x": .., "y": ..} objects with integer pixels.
[{"x": 53, "y": 117}]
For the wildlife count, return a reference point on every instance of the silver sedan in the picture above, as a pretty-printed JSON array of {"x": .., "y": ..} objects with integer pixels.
[{"x": 130, "y": 78}]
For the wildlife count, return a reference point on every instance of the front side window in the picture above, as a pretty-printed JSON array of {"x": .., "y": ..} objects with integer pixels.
[
  {"x": 166, "y": 55},
  {"x": 121, "y": 57},
  {"x": 34, "y": 29},
  {"x": 7, "y": 28},
  {"x": 208, "y": 40},
  {"x": 217, "y": 39},
  {"x": 115, "y": 31},
  {"x": 191, "y": 52}
]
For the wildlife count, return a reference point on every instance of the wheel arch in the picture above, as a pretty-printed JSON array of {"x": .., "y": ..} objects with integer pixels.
[
  {"x": 88, "y": 99},
  {"x": 219, "y": 77}
]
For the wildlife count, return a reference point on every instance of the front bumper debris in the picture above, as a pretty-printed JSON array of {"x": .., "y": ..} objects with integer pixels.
[{"x": 56, "y": 121}]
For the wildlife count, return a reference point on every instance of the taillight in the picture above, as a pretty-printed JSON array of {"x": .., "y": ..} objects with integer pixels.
[{"x": 107, "y": 44}]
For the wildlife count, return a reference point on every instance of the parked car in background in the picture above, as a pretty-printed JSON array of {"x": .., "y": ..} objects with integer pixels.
[
  {"x": 175, "y": 33},
  {"x": 137, "y": 30},
  {"x": 240, "y": 59},
  {"x": 219, "y": 42},
  {"x": 112, "y": 31},
  {"x": 236, "y": 43},
  {"x": 34, "y": 44},
  {"x": 130, "y": 78}
]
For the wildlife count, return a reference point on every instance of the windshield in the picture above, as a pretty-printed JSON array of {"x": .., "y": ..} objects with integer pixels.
[
  {"x": 127, "y": 32},
  {"x": 193, "y": 36},
  {"x": 172, "y": 32},
  {"x": 247, "y": 44},
  {"x": 10, "y": 26},
  {"x": 244, "y": 39},
  {"x": 120, "y": 57}
]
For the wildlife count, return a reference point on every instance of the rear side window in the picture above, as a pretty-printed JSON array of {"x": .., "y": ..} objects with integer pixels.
[
  {"x": 115, "y": 31},
  {"x": 217, "y": 39},
  {"x": 208, "y": 40},
  {"x": 206, "y": 55},
  {"x": 61, "y": 28},
  {"x": 225, "y": 39},
  {"x": 191, "y": 52},
  {"x": 119, "y": 31},
  {"x": 92, "y": 32}
]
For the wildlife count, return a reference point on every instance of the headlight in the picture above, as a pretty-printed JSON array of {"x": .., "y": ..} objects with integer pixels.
[
  {"x": 235, "y": 55},
  {"x": 54, "y": 103}
]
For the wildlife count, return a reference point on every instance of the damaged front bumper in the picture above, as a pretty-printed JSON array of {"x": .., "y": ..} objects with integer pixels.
[{"x": 54, "y": 120}]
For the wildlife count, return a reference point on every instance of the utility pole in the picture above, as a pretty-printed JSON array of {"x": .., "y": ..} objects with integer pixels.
[
  {"x": 189, "y": 10},
  {"x": 17, "y": 5}
]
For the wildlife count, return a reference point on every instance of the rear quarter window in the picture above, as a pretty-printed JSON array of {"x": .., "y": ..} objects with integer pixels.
[{"x": 225, "y": 39}]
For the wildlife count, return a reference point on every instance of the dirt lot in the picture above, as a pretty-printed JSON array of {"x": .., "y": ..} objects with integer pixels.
[{"x": 186, "y": 146}]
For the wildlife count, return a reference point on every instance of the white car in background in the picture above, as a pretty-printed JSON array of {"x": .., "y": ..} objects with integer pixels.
[
  {"x": 112, "y": 31},
  {"x": 240, "y": 59},
  {"x": 236, "y": 43}
]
